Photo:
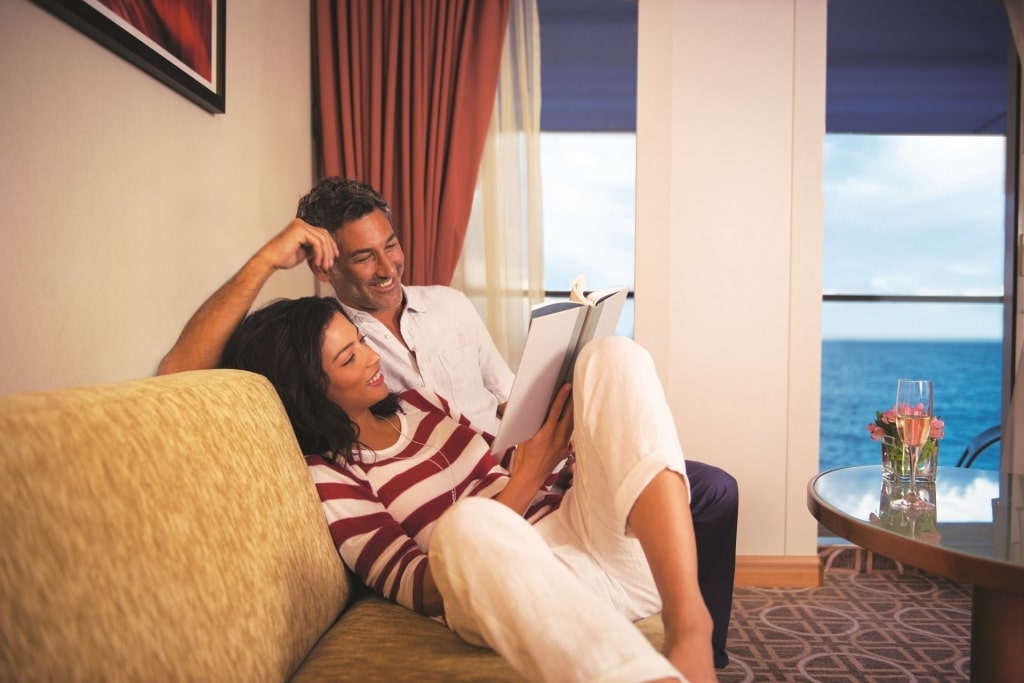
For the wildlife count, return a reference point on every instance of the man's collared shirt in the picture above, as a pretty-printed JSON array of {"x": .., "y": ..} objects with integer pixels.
[{"x": 450, "y": 352}]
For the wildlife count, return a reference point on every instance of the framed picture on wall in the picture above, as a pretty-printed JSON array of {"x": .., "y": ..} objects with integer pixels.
[{"x": 179, "y": 42}]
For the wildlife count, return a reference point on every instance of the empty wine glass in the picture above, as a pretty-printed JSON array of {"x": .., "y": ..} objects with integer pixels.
[{"x": 914, "y": 411}]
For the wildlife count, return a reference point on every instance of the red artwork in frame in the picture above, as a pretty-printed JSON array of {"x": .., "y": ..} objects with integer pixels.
[{"x": 179, "y": 42}]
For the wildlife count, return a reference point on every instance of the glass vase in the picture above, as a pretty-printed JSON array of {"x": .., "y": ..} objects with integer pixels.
[{"x": 896, "y": 461}]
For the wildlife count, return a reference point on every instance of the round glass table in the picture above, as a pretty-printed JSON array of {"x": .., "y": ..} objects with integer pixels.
[{"x": 972, "y": 536}]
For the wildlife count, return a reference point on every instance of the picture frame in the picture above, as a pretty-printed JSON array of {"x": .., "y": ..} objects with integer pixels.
[{"x": 184, "y": 51}]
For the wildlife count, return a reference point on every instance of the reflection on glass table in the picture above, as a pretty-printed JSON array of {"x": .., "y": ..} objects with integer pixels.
[{"x": 918, "y": 524}]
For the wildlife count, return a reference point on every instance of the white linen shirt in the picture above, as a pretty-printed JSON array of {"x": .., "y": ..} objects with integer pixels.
[{"x": 450, "y": 352}]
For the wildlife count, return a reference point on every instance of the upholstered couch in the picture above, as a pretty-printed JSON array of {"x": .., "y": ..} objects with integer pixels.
[{"x": 167, "y": 529}]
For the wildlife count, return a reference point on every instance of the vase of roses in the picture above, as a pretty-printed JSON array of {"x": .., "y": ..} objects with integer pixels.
[{"x": 895, "y": 459}]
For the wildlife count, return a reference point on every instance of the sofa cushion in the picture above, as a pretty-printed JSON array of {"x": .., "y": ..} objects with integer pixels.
[
  {"x": 378, "y": 641},
  {"x": 160, "y": 528},
  {"x": 385, "y": 642}
]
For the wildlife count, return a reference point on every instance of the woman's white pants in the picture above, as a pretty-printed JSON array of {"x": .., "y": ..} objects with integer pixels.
[{"x": 557, "y": 599}]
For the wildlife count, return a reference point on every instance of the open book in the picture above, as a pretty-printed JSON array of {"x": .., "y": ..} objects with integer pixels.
[{"x": 557, "y": 333}]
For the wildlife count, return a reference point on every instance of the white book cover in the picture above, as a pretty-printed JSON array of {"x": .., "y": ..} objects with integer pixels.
[{"x": 557, "y": 333}]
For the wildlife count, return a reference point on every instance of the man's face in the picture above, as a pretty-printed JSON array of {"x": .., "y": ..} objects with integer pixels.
[{"x": 367, "y": 274}]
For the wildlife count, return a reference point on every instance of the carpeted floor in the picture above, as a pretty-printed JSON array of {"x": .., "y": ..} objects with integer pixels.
[{"x": 871, "y": 622}]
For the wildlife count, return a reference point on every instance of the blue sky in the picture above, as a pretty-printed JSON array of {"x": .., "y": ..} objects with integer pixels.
[
  {"x": 903, "y": 215},
  {"x": 589, "y": 194},
  {"x": 913, "y": 215}
]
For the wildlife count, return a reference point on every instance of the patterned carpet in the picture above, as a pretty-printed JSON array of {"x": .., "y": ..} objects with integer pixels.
[{"x": 871, "y": 622}]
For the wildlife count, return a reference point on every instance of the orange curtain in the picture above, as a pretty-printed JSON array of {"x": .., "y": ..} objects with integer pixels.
[{"x": 404, "y": 94}]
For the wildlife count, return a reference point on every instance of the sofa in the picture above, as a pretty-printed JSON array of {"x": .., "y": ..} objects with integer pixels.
[{"x": 167, "y": 529}]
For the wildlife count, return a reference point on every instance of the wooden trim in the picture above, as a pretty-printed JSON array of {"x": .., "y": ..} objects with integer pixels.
[{"x": 778, "y": 571}]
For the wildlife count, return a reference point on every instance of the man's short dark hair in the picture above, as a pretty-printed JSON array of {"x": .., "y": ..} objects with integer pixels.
[{"x": 335, "y": 201}]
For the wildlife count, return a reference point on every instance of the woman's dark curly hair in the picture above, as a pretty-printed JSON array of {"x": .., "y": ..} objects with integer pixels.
[{"x": 282, "y": 341}]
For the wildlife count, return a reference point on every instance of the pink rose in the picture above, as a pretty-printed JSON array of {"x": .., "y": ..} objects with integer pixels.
[
  {"x": 876, "y": 431},
  {"x": 938, "y": 429}
]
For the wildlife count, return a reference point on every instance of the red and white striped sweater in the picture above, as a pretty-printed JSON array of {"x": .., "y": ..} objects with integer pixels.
[{"x": 381, "y": 510}]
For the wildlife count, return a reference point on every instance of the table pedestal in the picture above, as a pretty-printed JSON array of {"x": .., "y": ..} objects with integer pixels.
[{"x": 997, "y": 636}]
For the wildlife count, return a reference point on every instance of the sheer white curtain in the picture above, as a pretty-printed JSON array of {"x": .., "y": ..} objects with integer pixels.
[{"x": 501, "y": 268}]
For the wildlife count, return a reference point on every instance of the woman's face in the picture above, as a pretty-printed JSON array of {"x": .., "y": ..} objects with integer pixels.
[{"x": 352, "y": 368}]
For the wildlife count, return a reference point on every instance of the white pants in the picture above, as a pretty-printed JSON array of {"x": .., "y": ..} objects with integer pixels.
[{"x": 557, "y": 600}]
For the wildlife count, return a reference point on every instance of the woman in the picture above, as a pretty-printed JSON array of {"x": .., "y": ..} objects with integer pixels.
[{"x": 424, "y": 513}]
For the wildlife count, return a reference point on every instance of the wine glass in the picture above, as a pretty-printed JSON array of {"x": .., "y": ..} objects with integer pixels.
[{"x": 914, "y": 410}]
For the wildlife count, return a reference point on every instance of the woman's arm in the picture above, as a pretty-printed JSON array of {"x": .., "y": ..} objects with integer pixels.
[{"x": 371, "y": 542}]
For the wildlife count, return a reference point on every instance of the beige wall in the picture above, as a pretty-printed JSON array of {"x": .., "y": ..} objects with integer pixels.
[
  {"x": 123, "y": 205},
  {"x": 731, "y": 116}
]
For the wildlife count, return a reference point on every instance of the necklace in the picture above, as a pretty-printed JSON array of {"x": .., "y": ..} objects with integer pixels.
[{"x": 440, "y": 468}]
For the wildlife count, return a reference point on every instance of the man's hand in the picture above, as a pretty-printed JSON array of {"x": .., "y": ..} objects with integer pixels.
[{"x": 298, "y": 242}]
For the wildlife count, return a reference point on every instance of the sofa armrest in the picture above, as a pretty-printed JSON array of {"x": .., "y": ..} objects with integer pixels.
[{"x": 160, "y": 528}]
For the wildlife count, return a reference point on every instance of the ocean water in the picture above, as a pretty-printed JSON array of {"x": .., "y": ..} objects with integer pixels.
[{"x": 859, "y": 377}]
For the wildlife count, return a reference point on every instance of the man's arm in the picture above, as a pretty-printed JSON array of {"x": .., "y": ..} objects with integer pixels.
[{"x": 202, "y": 341}]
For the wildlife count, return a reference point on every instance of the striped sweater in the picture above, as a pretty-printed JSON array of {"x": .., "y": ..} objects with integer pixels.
[{"x": 382, "y": 509}]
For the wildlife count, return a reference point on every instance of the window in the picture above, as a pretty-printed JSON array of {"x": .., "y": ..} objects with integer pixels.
[
  {"x": 588, "y": 145},
  {"x": 916, "y": 112},
  {"x": 913, "y": 283}
]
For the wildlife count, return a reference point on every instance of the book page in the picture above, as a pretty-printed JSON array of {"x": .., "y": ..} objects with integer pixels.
[
  {"x": 606, "y": 311},
  {"x": 600, "y": 318}
]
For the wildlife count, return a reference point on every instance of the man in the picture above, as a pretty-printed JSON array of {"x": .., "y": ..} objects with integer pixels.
[{"x": 427, "y": 337}]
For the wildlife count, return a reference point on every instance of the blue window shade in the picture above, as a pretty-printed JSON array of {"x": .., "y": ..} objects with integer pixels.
[
  {"x": 906, "y": 66},
  {"x": 588, "y": 65}
]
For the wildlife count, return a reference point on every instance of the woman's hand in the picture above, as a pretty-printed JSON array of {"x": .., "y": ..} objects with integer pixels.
[
  {"x": 535, "y": 459},
  {"x": 433, "y": 603}
]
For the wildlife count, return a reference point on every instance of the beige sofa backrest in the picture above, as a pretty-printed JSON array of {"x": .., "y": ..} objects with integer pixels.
[{"x": 159, "y": 529}]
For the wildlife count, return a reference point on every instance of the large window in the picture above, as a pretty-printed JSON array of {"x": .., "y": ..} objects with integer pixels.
[{"x": 913, "y": 283}]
